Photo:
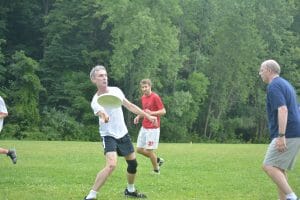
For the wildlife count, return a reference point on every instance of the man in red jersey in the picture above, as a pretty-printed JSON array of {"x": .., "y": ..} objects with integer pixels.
[{"x": 148, "y": 137}]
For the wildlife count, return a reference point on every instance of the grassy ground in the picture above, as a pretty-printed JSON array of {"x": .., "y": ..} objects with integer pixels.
[{"x": 66, "y": 170}]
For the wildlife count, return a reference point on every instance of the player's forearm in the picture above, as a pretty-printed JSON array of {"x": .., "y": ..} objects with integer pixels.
[
  {"x": 135, "y": 109},
  {"x": 159, "y": 112},
  {"x": 282, "y": 119}
]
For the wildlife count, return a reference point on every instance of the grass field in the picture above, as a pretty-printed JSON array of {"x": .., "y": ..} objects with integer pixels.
[{"x": 66, "y": 170}]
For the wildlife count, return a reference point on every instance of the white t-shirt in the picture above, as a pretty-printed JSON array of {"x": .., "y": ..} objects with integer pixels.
[
  {"x": 3, "y": 109},
  {"x": 116, "y": 126}
]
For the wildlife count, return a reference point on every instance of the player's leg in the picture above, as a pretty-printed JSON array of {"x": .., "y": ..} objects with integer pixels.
[
  {"x": 11, "y": 153},
  {"x": 3, "y": 151},
  {"x": 126, "y": 149},
  {"x": 152, "y": 140},
  {"x": 131, "y": 168},
  {"x": 141, "y": 142},
  {"x": 131, "y": 191},
  {"x": 154, "y": 159},
  {"x": 111, "y": 163},
  {"x": 278, "y": 178},
  {"x": 276, "y": 163},
  {"x": 142, "y": 149},
  {"x": 281, "y": 194},
  {"x": 110, "y": 146}
]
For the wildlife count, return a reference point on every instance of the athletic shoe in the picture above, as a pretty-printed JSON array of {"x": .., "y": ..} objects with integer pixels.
[
  {"x": 13, "y": 155},
  {"x": 134, "y": 194},
  {"x": 160, "y": 161},
  {"x": 156, "y": 172},
  {"x": 87, "y": 199}
]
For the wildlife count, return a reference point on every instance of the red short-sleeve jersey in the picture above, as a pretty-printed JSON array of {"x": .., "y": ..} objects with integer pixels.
[{"x": 153, "y": 103}]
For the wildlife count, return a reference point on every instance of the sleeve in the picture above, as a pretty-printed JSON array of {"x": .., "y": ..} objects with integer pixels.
[
  {"x": 276, "y": 98},
  {"x": 96, "y": 106},
  {"x": 159, "y": 102},
  {"x": 120, "y": 93},
  {"x": 3, "y": 108}
]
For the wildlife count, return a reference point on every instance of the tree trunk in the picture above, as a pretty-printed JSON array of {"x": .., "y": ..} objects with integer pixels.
[{"x": 207, "y": 119}]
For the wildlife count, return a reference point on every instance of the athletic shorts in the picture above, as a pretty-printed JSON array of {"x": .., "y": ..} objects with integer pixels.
[
  {"x": 283, "y": 160},
  {"x": 148, "y": 138},
  {"x": 123, "y": 146}
]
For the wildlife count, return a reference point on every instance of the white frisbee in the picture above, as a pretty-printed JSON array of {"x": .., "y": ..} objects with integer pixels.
[{"x": 109, "y": 100}]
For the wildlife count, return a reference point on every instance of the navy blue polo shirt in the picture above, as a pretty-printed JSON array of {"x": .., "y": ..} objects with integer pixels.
[{"x": 279, "y": 93}]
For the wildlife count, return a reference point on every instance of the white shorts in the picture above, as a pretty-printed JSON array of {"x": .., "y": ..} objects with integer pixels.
[{"x": 148, "y": 138}]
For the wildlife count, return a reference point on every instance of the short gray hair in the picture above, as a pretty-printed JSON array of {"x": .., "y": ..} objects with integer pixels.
[
  {"x": 96, "y": 68},
  {"x": 272, "y": 65}
]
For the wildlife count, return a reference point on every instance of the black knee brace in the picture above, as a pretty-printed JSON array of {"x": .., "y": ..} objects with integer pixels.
[{"x": 132, "y": 165}]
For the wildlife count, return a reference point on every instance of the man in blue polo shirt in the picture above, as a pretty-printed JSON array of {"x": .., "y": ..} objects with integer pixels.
[{"x": 284, "y": 125}]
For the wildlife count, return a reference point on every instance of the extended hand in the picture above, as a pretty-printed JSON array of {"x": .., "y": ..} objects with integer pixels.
[
  {"x": 104, "y": 117},
  {"x": 153, "y": 119},
  {"x": 281, "y": 144},
  {"x": 136, "y": 120}
]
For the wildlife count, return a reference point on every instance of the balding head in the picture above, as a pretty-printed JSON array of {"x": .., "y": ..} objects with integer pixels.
[{"x": 271, "y": 65}]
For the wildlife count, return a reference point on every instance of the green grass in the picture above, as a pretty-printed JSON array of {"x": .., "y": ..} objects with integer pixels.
[{"x": 66, "y": 170}]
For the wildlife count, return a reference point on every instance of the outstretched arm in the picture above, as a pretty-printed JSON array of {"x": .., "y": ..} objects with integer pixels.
[
  {"x": 136, "y": 110},
  {"x": 156, "y": 113}
]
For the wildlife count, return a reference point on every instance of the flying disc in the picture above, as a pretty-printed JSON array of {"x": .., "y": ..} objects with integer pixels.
[{"x": 109, "y": 100}]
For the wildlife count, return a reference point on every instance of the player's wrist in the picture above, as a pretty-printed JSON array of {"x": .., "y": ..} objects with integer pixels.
[{"x": 281, "y": 135}]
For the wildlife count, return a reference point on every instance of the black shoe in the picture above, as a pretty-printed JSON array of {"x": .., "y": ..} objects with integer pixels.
[
  {"x": 13, "y": 155},
  {"x": 156, "y": 172},
  {"x": 134, "y": 194},
  {"x": 87, "y": 199},
  {"x": 160, "y": 161}
]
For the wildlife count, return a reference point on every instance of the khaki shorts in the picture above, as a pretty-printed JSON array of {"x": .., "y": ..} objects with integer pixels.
[
  {"x": 148, "y": 138},
  {"x": 283, "y": 160}
]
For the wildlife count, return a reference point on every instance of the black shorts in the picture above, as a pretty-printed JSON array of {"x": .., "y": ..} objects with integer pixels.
[{"x": 123, "y": 146}]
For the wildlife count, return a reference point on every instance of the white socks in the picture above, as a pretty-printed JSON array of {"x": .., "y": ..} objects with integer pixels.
[
  {"x": 92, "y": 195},
  {"x": 291, "y": 196},
  {"x": 130, "y": 187}
]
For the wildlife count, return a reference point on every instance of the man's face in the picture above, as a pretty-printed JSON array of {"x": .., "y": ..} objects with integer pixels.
[
  {"x": 264, "y": 74},
  {"x": 100, "y": 78},
  {"x": 146, "y": 89}
]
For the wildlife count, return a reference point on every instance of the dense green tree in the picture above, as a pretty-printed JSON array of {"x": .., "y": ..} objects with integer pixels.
[
  {"x": 202, "y": 56},
  {"x": 145, "y": 43},
  {"x": 21, "y": 26},
  {"x": 2, "y": 64},
  {"x": 232, "y": 65},
  {"x": 74, "y": 42},
  {"x": 24, "y": 93}
]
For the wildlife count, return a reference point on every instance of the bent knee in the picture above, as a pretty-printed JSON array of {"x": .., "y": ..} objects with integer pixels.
[
  {"x": 131, "y": 166},
  {"x": 264, "y": 167},
  {"x": 111, "y": 166},
  {"x": 267, "y": 168}
]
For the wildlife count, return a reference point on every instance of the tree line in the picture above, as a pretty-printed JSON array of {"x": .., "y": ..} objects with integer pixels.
[{"x": 203, "y": 57}]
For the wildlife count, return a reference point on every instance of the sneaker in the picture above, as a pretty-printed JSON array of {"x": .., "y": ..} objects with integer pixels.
[
  {"x": 160, "y": 161},
  {"x": 156, "y": 171},
  {"x": 13, "y": 155},
  {"x": 134, "y": 194},
  {"x": 87, "y": 199}
]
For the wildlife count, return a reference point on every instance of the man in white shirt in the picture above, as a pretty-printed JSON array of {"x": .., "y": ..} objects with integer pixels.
[
  {"x": 114, "y": 133},
  {"x": 3, "y": 113}
]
